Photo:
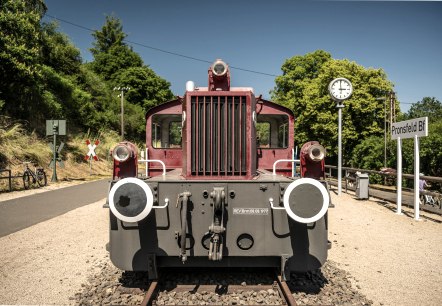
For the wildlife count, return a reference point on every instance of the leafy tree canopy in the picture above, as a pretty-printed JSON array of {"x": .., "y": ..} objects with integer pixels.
[
  {"x": 19, "y": 53},
  {"x": 428, "y": 107},
  {"x": 110, "y": 35},
  {"x": 146, "y": 88},
  {"x": 58, "y": 51},
  {"x": 119, "y": 65},
  {"x": 430, "y": 153},
  {"x": 303, "y": 87}
]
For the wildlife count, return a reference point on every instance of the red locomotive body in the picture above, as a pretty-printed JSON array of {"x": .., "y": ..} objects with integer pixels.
[{"x": 226, "y": 158}]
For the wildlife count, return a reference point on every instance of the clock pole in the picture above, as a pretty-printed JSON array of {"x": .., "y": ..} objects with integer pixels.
[
  {"x": 339, "y": 106},
  {"x": 340, "y": 89}
]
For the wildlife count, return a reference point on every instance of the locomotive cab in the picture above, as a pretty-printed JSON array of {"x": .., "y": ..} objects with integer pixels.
[{"x": 220, "y": 187}]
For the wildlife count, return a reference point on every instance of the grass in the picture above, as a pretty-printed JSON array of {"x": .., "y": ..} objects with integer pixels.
[{"x": 18, "y": 145}]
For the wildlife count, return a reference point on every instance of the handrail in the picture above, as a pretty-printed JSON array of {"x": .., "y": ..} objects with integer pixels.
[
  {"x": 154, "y": 161},
  {"x": 166, "y": 200},
  {"x": 272, "y": 206},
  {"x": 283, "y": 160}
]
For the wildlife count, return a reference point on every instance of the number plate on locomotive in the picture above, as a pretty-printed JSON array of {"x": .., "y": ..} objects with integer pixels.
[{"x": 250, "y": 211}]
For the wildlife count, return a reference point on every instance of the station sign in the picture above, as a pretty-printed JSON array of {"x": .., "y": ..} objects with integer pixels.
[{"x": 410, "y": 128}]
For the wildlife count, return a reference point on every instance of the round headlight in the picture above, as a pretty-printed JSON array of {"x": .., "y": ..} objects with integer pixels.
[
  {"x": 316, "y": 152},
  {"x": 306, "y": 200},
  {"x": 121, "y": 153},
  {"x": 130, "y": 200},
  {"x": 219, "y": 68}
]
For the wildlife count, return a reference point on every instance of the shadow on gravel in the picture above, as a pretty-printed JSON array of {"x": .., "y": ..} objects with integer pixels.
[
  {"x": 310, "y": 282},
  {"x": 329, "y": 285},
  {"x": 130, "y": 279}
]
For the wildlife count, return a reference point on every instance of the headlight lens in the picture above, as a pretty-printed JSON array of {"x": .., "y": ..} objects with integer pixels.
[
  {"x": 316, "y": 152},
  {"x": 121, "y": 153},
  {"x": 130, "y": 199},
  {"x": 219, "y": 68}
]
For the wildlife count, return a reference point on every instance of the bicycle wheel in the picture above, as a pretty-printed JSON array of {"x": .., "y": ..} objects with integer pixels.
[
  {"x": 27, "y": 180},
  {"x": 41, "y": 178}
]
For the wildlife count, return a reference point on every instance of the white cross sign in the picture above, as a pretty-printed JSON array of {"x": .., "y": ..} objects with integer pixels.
[{"x": 91, "y": 153}]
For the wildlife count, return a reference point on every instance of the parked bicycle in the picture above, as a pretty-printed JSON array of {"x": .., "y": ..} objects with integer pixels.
[{"x": 32, "y": 177}]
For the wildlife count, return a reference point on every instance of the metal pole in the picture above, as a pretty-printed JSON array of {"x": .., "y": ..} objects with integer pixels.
[
  {"x": 385, "y": 135},
  {"x": 339, "y": 106},
  {"x": 122, "y": 114},
  {"x": 122, "y": 90},
  {"x": 399, "y": 177},
  {"x": 54, "y": 158},
  {"x": 416, "y": 177}
]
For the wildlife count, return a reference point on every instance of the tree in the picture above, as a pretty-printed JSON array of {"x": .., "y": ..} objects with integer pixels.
[
  {"x": 303, "y": 87},
  {"x": 119, "y": 65},
  {"x": 111, "y": 35},
  {"x": 430, "y": 153},
  {"x": 58, "y": 52},
  {"x": 146, "y": 88},
  {"x": 114, "y": 61},
  {"x": 20, "y": 56},
  {"x": 428, "y": 107}
]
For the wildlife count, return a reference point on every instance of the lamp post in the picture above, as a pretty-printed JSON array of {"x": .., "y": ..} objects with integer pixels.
[
  {"x": 122, "y": 89},
  {"x": 340, "y": 89}
]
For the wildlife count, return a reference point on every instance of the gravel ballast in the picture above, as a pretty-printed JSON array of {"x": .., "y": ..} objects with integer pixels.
[{"x": 377, "y": 257}]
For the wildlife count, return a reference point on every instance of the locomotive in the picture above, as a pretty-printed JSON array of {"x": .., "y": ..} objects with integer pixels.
[{"x": 220, "y": 187}]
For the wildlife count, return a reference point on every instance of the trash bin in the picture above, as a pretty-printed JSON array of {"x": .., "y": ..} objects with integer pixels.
[{"x": 362, "y": 182}]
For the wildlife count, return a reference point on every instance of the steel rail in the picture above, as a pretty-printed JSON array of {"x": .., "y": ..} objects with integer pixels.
[
  {"x": 286, "y": 291},
  {"x": 150, "y": 294},
  {"x": 278, "y": 285}
]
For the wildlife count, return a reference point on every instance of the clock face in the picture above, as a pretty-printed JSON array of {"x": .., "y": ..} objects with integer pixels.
[{"x": 340, "y": 89}]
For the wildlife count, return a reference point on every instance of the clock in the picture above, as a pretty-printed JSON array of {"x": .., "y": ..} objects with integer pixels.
[{"x": 340, "y": 89}]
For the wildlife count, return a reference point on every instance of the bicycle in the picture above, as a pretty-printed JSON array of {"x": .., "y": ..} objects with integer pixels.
[{"x": 38, "y": 176}]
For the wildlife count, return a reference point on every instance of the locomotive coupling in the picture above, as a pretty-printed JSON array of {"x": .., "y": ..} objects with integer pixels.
[{"x": 185, "y": 196}]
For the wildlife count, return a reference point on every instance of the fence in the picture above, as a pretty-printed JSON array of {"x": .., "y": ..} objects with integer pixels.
[
  {"x": 435, "y": 206},
  {"x": 9, "y": 177}
]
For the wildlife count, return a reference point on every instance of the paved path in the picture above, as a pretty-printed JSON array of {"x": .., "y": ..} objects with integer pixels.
[{"x": 20, "y": 213}]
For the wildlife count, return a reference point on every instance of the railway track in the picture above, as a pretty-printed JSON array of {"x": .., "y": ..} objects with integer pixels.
[{"x": 220, "y": 289}]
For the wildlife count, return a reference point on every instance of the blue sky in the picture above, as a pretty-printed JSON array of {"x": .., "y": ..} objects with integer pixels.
[{"x": 403, "y": 38}]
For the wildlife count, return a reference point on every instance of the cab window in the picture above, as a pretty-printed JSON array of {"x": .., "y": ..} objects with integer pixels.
[
  {"x": 166, "y": 131},
  {"x": 272, "y": 131}
]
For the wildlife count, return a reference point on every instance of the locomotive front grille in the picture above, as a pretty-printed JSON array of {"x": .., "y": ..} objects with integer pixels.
[{"x": 218, "y": 135}]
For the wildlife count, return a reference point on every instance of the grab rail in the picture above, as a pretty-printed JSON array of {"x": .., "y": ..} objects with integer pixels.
[{"x": 154, "y": 161}]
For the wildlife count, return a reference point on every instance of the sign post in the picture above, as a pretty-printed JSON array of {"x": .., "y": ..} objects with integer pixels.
[
  {"x": 55, "y": 127},
  {"x": 413, "y": 128},
  {"x": 91, "y": 153}
]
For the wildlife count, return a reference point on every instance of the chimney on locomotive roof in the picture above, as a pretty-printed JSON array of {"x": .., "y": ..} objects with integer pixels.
[{"x": 219, "y": 76}]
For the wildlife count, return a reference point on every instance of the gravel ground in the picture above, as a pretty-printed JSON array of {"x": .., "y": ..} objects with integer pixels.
[
  {"x": 377, "y": 257},
  {"x": 396, "y": 260}
]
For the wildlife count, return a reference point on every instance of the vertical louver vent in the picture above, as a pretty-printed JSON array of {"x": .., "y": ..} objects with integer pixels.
[{"x": 218, "y": 135}]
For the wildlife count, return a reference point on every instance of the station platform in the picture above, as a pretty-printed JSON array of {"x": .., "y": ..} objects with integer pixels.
[{"x": 392, "y": 259}]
